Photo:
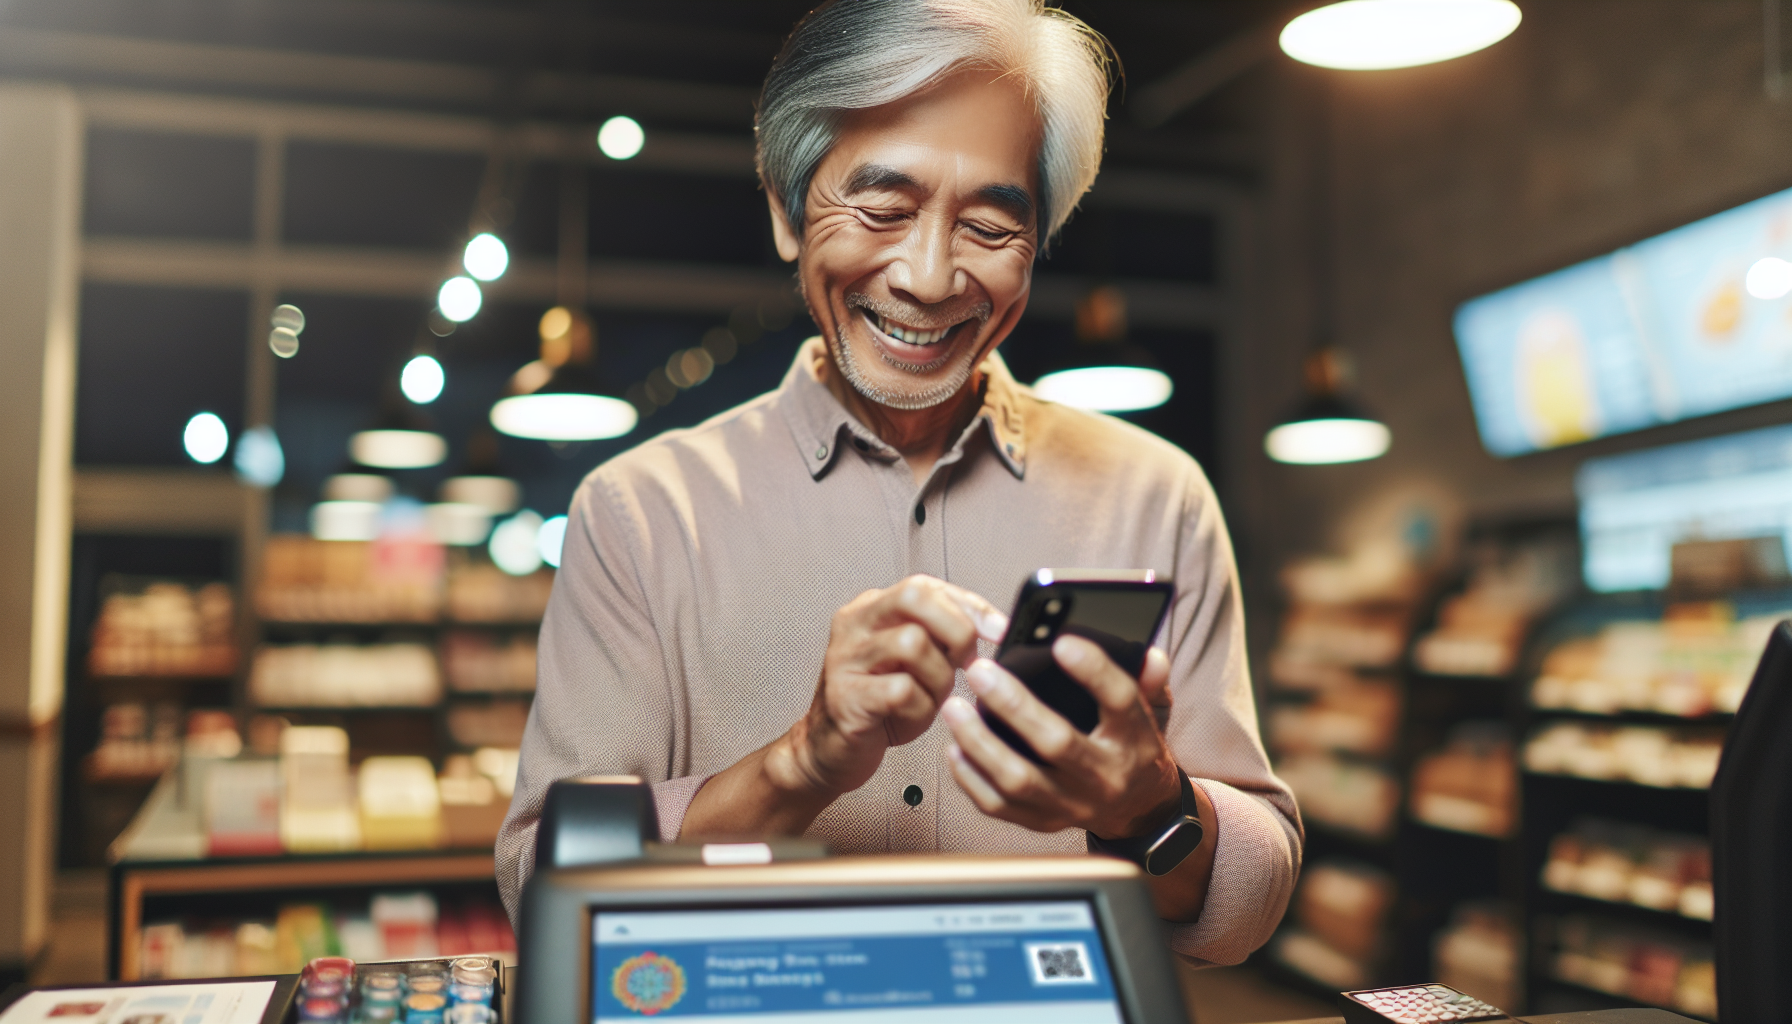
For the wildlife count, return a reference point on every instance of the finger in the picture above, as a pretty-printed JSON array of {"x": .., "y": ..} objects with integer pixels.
[
  {"x": 1154, "y": 681},
  {"x": 1089, "y": 665},
  {"x": 990, "y": 620},
  {"x": 909, "y": 648},
  {"x": 911, "y": 708},
  {"x": 975, "y": 786},
  {"x": 925, "y": 600},
  {"x": 1001, "y": 782},
  {"x": 1051, "y": 737}
]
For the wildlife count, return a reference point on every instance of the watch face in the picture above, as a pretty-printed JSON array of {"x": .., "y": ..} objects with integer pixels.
[{"x": 1174, "y": 847}]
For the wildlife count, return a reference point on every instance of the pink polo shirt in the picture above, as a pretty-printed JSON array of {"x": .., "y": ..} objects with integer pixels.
[{"x": 701, "y": 570}]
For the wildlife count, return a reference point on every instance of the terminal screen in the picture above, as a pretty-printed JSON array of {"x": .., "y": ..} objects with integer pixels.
[{"x": 927, "y": 964}]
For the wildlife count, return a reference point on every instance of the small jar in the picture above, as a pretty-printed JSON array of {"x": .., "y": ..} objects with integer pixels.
[
  {"x": 469, "y": 993},
  {"x": 320, "y": 1009},
  {"x": 470, "y": 1013},
  {"x": 472, "y": 963},
  {"x": 427, "y": 984},
  {"x": 381, "y": 987},
  {"x": 424, "y": 1008}
]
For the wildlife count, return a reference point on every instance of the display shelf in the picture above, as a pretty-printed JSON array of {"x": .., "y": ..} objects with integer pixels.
[
  {"x": 1632, "y": 717},
  {"x": 1620, "y": 999},
  {"x": 1639, "y": 912}
]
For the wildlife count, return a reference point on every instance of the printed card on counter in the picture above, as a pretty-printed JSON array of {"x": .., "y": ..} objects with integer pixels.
[{"x": 212, "y": 1002}]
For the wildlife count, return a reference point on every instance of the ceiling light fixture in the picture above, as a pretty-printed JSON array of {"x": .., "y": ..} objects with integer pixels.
[
  {"x": 621, "y": 138},
  {"x": 398, "y": 449},
  {"x": 1108, "y": 374},
  {"x": 1372, "y": 35},
  {"x": 514, "y": 545},
  {"x": 486, "y": 257},
  {"x": 205, "y": 438},
  {"x": 260, "y": 461},
  {"x": 459, "y": 299},
  {"x": 1326, "y": 427},
  {"x": 559, "y": 397},
  {"x": 422, "y": 379}
]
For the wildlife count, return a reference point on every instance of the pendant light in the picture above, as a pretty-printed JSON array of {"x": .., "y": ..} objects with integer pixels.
[
  {"x": 1370, "y": 35},
  {"x": 1107, "y": 373},
  {"x": 559, "y": 397},
  {"x": 1327, "y": 426}
]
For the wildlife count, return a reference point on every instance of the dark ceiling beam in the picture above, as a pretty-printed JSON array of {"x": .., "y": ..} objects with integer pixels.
[
  {"x": 1207, "y": 73},
  {"x": 114, "y": 58}
]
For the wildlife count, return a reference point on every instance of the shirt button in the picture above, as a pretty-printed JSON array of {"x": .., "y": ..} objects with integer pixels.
[
  {"x": 822, "y": 452},
  {"x": 913, "y": 796},
  {"x": 920, "y": 515}
]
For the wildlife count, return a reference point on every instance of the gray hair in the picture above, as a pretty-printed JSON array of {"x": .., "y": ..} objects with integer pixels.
[{"x": 854, "y": 54}]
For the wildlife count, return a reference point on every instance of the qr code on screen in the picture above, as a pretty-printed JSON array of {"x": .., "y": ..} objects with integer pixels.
[{"x": 1059, "y": 963}]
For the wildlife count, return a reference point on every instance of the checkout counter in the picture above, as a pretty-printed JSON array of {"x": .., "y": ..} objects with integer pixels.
[{"x": 615, "y": 928}]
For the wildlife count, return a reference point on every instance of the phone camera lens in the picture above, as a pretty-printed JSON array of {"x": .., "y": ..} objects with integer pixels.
[
  {"x": 1054, "y": 606},
  {"x": 1041, "y": 632}
]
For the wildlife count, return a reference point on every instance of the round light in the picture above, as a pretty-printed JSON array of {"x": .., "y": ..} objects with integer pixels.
[
  {"x": 513, "y": 546},
  {"x": 422, "y": 379},
  {"x": 205, "y": 438},
  {"x": 1106, "y": 388},
  {"x": 461, "y": 525},
  {"x": 1769, "y": 278},
  {"x": 550, "y": 539},
  {"x": 564, "y": 416},
  {"x": 345, "y": 520},
  {"x": 358, "y": 487},
  {"x": 496, "y": 494},
  {"x": 486, "y": 257},
  {"x": 259, "y": 458},
  {"x": 287, "y": 317},
  {"x": 1317, "y": 442},
  {"x": 459, "y": 299},
  {"x": 284, "y": 342},
  {"x": 398, "y": 449},
  {"x": 1369, "y": 35},
  {"x": 621, "y": 138}
]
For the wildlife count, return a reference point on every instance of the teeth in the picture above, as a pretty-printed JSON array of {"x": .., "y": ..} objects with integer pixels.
[{"x": 910, "y": 334}]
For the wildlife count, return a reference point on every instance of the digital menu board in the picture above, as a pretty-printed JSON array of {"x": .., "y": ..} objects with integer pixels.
[{"x": 1663, "y": 330}]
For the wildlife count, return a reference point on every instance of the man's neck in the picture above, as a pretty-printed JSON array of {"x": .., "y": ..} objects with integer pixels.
[{"x": 920, "y": 435}]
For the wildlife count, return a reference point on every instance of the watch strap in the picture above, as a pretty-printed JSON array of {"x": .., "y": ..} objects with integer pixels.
[{"x": 1164, "y": 846}]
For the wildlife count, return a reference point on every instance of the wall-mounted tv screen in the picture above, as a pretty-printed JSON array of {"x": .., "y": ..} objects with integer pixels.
[
  {"x": 1691, "y": 322},
  {"x": 1635, "y": 507}
]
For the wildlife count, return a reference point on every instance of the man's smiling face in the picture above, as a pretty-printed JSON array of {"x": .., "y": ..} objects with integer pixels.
[{"x": 919, "y": 238}]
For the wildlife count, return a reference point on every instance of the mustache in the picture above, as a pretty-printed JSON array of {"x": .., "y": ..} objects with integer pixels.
[{"x": 926, "y": 318}]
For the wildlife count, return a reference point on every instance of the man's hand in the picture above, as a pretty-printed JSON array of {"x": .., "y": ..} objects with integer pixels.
[
  {"x": 1117, "y": 781},
  {"x": 890, "y": 663}
]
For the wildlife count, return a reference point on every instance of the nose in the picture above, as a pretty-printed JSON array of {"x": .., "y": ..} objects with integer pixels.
[{"x": 925, "y": 269}]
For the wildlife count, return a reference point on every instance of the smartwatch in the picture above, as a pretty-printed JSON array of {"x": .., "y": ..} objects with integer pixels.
[{"x": 1166, "y": 845}]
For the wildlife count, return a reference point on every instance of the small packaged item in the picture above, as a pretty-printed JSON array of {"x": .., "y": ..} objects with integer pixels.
[
  {"x": 471, "y": 1013},
  {"x": 425, "y": 1008}
]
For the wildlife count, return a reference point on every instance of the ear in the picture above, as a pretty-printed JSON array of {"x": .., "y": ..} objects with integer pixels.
[{"x": 782, "y": 235}]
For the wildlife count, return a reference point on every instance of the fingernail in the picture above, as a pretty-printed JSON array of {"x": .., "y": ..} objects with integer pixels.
[
  {"x": 994, "y": 625},
  {"x": 981, "y": 675},
  {"x": 1070, "y": 650},
  {"x": 957, "y": 710}
]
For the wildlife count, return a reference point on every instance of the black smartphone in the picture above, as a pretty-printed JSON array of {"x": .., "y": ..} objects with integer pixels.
[{"x": 1119, "y": 609}]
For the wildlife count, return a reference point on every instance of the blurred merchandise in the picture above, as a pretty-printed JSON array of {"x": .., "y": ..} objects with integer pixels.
[
  {"x": 242, "y": 808},
  {"x": 1478, "y": 953},
  {"x": 401, "y": 808},
  {"x": 318, "y": 812},
  {"x": 477, "y": 662},
  {"x": 1481, "y": 631},
  {"x": 345, "y": 675},
  {"x": 136, "y": 742},
  {"x": 1339, "y": 917},
  {"x": 497, "y": 724},
  {"x": 479, "y": 592},
  {"x": 499, "y": 765},
  {"x": 1471, "y": 785},
  {"x": 1668, "y": 758},
  {"x": 1346, "y": 795},
  {"x": 165, "y": 629},
  {"x": 1691, "y": 664},
  {"x": 1633, "y": 963},
  {"x": 1624, "y": 863},
  {"x": 388, "y": 926},
  {"x": 1358, "y": 715},
  {"x": 472, "y": 812},
  {"x": 395, "y": 579}
]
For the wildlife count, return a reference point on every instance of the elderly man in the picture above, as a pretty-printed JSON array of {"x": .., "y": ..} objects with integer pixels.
[{"x": 917, "y": 155}]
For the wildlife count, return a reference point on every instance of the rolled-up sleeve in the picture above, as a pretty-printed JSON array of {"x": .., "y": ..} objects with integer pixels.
[
  {"x": 1213, "y": 733},
  {"x": 604, "y": 702}
]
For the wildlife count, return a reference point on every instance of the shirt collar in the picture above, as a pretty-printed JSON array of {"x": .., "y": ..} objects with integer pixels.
[{"x": 820, "y": 425}]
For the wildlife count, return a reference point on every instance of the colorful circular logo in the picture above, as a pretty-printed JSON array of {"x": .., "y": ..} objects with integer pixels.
[{"x": 648, "y": 983}]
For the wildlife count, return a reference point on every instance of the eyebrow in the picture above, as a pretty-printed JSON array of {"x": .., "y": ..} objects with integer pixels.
[{"x": 1011, "y": 199}]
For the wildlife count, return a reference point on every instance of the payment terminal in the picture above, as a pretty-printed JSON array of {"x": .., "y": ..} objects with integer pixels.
[{"x": 916, "y": 940}]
